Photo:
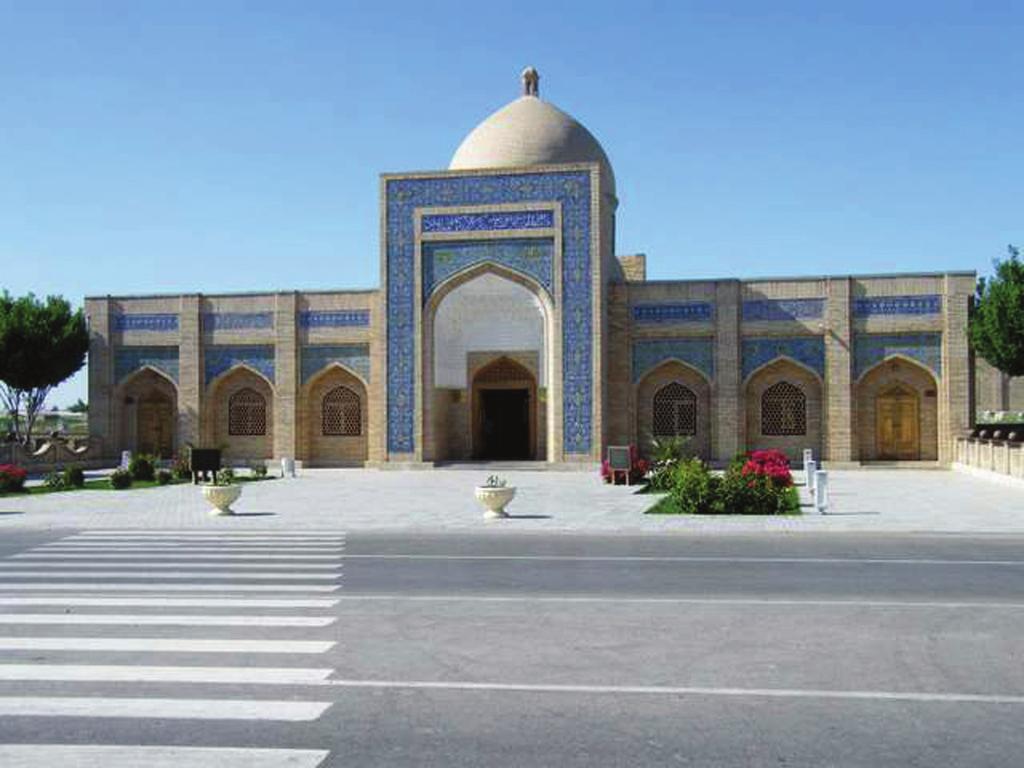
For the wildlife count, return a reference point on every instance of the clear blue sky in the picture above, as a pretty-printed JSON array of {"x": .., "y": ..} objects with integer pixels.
[{"x": 227, "y": 146}]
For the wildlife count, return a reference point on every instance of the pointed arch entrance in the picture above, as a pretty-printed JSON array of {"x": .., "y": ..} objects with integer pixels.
[
  {"x": 504, "y": 403},
  {"x": 897, "y": 412},
  {"x": 148, "y": 413},
  {"x": 897, "y": 433}
]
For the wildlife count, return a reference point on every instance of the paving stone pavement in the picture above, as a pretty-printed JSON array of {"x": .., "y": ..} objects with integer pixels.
[{"x": 356, "y": 499}]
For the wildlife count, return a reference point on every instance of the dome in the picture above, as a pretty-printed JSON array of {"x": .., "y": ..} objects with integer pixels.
[{"x": 529, "y": 131}]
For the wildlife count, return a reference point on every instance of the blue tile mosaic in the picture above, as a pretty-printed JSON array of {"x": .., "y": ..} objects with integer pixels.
[
  {"x": 871, "y": 349},
  {"x": 343, "y": 318},
  {"x": 355, "y": 357},
  {"x": 237, "y": 321},
  {"x": 529, "y": 256},
  {"x": 783, "y": 309},
  {"x": 569, "y": 188},
  {"x": 651, "y": 353},
  {"x": 127, "y": 360},
  {"x": 898, "y": 305},
  {"x": 808, "y": 350},
  {"x": 478, "y": 222},
  {"x": 223, "y": 357},
  {"x": 686, "y": 312},
  {"x": 163, "y": 322}
]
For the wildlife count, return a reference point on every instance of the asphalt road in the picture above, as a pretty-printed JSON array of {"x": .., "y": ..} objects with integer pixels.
[{"x": 187, "y": 648}]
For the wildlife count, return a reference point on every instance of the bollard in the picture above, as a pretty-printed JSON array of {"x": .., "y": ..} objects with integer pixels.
[
  {"x": 287, "y": 467},
  {"x": 809, "y": 469},
  {"x": 808, "y": 455},
  {"x": 821, "y": 491},
  {"x": 126, "y": 459}
]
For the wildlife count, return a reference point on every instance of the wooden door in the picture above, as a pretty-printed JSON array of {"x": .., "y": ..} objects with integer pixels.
[
  {"x": 899, "y": 434},
  {"x": 156, "y": 425}
]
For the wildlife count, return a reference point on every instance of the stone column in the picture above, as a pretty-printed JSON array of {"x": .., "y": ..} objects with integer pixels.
[
  {"x": 728, "y": 407},
  {"x": 191, "y": 381},
  {"x": 286, "y": 375},
  {"x": 839, "y": 406},
  {"x": 101, "y": 376},
  {"x": 955, "y": 415}
]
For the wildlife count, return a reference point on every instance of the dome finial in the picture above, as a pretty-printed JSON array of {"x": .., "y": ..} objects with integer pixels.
[{"x": 531, "y": 82}]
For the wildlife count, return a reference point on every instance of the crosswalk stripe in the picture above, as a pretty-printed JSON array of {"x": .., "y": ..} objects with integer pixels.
[
  {"x": 174, "y": 533},
  {"x": 104, "y": 587},
  {"x": 103, "y": 756},
  {"x": 136, "y": 574},
  {"x": 163, "y": 645},
  {"x": 164, "y": 619},
  {"x": 234, "y": 567},
  {"x": 270, "y": 538},
  {"x": 71, "y": 546},
  {"x": 169, "y": 602},
  {"x": 123, "y": 673},
  {"x": 191, "y": 709},
  {"x": 164, "y": 556}
]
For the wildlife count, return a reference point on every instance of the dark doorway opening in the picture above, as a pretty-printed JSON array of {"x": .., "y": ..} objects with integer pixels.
[{"x": 505, "y": 424}]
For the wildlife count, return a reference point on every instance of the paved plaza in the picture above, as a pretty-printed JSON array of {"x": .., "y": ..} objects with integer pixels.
[{"x": 354, "y": 499}]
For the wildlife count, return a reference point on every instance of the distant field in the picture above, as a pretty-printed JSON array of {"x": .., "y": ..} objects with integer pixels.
[{"x": 74, "y": 423}]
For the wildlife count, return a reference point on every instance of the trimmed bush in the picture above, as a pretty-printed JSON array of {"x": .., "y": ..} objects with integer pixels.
[
  {"x": 74, "y": 477},
  {"x": 142, "y": 467},
  {"x": 54, "y": 481},
  {"x": 121, "y": 479},
  {"x": 182, "y": 466},
  {"x": 259, "y": 469},
  {"x": 693, "y": 488},
  {"x": 163, "y": 477},
  {"x": 225, "y": 476},
  {"x": 12, "y": 478}
]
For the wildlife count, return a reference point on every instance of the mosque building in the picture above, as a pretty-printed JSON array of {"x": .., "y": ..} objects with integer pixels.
[{"x": 507, "y": 327}]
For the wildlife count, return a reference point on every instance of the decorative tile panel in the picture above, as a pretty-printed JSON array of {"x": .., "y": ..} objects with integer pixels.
[
  {"x": 223, "y": 357},
  {"x": 651, "y": 353},
  {"x": 572, "y": 190},
  {"x": 808, "y": 350},
  {"x": 314, "y": 359},
  {"x": 685, "y": 312},
  {"x": 477, "y": 222},
  {"x": 869, "y": 349},
  {"x": 343, "y": 318},
  {"x": 783, "y": 309},
  {"x": 163, "y": 322},
  {"x": 127, "y": 360},
  {"x": 898, "y": 305},
  {"x": 529, "y": 256},
  {"x": 237, "y": 321}
]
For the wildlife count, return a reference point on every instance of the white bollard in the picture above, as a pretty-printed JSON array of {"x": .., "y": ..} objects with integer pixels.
[
  {"x": 808, "y": 455},
  {"x": 821, "y": 491},
  {"x": 809, "y": 469},
  {"x": 287, "y": 467},
  {"x": 126, "y": 459}
]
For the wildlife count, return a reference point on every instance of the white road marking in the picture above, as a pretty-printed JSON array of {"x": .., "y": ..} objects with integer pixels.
[
  {"x": 163, "y": 645},
  {"x": 56, "y": 563},
  {"x": 671, "y": 690},
  {"x": 317, "y": 549},
  {"x": 745, "y": 601},
  {"x": 191, "y": 709},
  {"x": 172, "y": 602},
  {"x": 104, "y": 587},
  {"x": 146, "y": 574},
  {"x": 164, "y": 619},
  {"x": 690, "y": 559},
  {"x": 114, "y": 673},
  {"x": 102, "y": 756},
  {"x": 174, "y": 532},
  {"x": 179, "y": 556},
  {"x": 217, "y": 539}
]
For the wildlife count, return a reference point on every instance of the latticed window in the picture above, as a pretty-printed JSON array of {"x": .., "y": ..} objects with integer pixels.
[
  {"x": 341, "y": 413},
  {"x": 675, "y": 411},
  {"x": 247, "y": 413},
  {"x": 783, "y": 410},
  {"x": 502, "y": 371}
]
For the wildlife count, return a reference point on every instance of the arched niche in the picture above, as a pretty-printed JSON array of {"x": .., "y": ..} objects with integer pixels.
[
  {"x": 897, "y": 412},
  {"x": 147, "y": 413},
  {"x": 663, "y": 403},
  {"x": 334, "y": 418},
  {"x": 783, "y": 409},
  {"x": 247, "y": 436}
]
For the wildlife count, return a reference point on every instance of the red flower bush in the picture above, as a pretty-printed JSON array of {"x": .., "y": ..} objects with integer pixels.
[
  {"x": 12, "y": 478},
  {"x": 771, "y": 465}
]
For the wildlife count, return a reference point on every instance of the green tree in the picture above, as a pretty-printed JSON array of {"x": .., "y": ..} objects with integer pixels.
[
  {"x": 42, "y": 343},
  {"x": 80, "y": 406},
  {"x": 997, "y": 327}
]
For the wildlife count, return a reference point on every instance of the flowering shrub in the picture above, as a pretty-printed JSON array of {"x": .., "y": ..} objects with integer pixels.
[
  {"x": 771, "y": 465},
  {"x": 638, "y": 467},
  {"x": 12, "y": 478}
]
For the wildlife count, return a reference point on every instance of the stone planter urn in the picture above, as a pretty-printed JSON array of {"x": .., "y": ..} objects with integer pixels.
[
  {"x": 221, "y": 497},
  {"x": 494, "y": 499}
]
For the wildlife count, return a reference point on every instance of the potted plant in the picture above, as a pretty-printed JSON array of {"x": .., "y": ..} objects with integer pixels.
[
  {"x": 495, "y": 495},
  {"x": 222, "y": 492}
]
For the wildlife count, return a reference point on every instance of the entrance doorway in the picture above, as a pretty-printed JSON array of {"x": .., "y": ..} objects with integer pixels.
[
  {"x": 156, "y": 426},
  {"x": 504, "y": 413},
  {"x": 898, "y": 432}
]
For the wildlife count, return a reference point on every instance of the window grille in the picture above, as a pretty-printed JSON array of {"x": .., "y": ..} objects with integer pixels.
[
  {"x": 342, "y": 415},
  {"x": 247, "y": 413},
  {"x": 501, "y": 371},
  {"x": 783, "y": 410},
  {"x": 675, "y": 411}
]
